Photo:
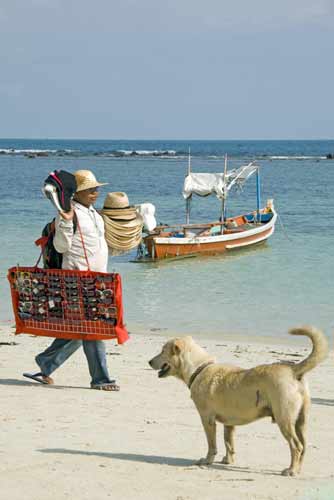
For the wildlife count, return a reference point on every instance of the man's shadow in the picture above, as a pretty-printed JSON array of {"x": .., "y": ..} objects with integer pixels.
[{"x": 22, "y": 383}]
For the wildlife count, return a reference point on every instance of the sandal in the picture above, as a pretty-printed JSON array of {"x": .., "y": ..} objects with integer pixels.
[
  {"x": 39, "y": 377},
  {"x": 106, "y": 386}
]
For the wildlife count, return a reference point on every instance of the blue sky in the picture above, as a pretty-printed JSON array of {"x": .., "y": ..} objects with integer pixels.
[{"x": 159, "y": 69}]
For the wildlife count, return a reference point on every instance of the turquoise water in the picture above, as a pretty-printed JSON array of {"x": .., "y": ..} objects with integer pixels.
[{"x": 261, "y": 291}]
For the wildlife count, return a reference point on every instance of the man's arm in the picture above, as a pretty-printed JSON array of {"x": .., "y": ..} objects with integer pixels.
[{"x": 64, "y": 231}]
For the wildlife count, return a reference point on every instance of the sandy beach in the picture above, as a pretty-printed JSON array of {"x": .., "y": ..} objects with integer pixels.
[{"x": 68, "y": 441}]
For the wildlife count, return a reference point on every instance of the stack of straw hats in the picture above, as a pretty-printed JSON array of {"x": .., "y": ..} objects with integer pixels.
[{"x": 123, "y": 224}]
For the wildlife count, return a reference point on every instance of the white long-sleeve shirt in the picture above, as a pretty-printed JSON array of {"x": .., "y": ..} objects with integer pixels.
[{"x": 68, "y": 242}]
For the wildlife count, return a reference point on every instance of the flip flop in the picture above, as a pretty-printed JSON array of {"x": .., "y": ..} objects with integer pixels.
[
  {"x": 106, "y": 386},
  {"x": 39, "y": 377}
]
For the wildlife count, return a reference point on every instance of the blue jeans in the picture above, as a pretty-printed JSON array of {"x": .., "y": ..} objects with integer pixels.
[{"x": 61, "y": 349}]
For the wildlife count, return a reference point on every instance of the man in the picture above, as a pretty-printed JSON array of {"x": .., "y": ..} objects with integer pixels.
[{"x": 68, "y": 242}]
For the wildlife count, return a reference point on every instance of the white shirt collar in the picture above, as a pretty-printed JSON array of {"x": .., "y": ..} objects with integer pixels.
[{"x": 78, "y": 205}]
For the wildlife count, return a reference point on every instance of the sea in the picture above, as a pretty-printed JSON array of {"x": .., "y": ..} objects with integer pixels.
[{"x": 261, "y": 292}]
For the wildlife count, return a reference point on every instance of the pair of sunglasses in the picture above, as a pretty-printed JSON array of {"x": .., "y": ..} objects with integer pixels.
[
  {"x": 38, "y": 275},
  {"x": 25, "y": 306},
  {"x": 73, "y": 298},
  {"x": 54, "y": 303},
  {"x": 70, "y": 279},
  {"x": 88, "y": 301},
  {"x": 71, "y": 286},
  {"x": 107, "y": 311},
  {"x": 39, "y": 301},
  {"x": 24, "y": 315},
  {"x": 112, "y": 321},
  {"x": 88, "y": 281},
  {"x": 56, "y": 313},
  {"x": 73, "y": 307},
  {"x": 104, "y": 279},
  {"x": 107, "y": 292}
]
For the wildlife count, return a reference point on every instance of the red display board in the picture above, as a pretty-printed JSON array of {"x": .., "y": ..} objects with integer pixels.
[{"x": 67, "y": 304}]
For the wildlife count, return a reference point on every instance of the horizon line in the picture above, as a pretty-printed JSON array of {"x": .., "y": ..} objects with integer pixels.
[{"x": 155, "y": 140}]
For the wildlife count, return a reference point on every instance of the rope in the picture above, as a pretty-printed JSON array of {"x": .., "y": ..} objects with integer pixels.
[
  {"x": 82, "y": 241},
  {"x": 283, "y": 228}
]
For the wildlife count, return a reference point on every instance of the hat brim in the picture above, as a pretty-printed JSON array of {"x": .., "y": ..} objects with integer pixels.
[
  {"x": 90, "y": 185},
  {"x": 120, "y": 213},
  {"x": 123, "y": 224},
  {"x": 123, "y": 236}
]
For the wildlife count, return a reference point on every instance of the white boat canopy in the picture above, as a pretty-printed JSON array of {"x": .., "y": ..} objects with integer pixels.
[{"x": 219, "y": 184}]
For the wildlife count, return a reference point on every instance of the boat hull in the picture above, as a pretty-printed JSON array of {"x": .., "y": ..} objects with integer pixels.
[{"x": 167, "y": 246}]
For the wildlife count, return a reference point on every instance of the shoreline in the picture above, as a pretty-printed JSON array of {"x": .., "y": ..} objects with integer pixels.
[{"x": 285, "y": 339}]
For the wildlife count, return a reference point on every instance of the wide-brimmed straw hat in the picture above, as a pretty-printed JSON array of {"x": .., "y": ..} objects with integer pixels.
[
  {"x": 116, "y": 206},
  {"x": 123, "y": 224},
  {"x": 86, "y": 180}
]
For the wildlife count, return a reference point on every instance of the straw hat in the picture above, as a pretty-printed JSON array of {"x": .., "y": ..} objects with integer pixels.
[
  {"x": 116, "y": 206},
  {"x": 86, "y": 180},
  {"x": 123, "y": 224}
]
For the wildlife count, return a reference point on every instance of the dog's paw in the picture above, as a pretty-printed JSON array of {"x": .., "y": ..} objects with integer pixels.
[
  {"x": 288, "y": 472},
  {"x": 205, "y": 461},
  {"x": 227, "y": 460}
]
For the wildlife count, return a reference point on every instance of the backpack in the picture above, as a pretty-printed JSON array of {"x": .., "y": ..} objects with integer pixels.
[{"x": 51, "y": 258}]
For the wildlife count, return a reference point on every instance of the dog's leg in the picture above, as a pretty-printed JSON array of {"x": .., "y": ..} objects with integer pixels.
[
  {"x": 229, "y": 444},
  {"x": 301, "y": 429},
  {"x": 296, "y": 447},
  {"x": 209, "y": 424}
]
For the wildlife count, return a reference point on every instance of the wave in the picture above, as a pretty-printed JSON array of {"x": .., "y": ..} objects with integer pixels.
[
  {"x": 155, "y": 152},
  {"x": 34, "y": 152},
  {"x": 298, "y": 157}
]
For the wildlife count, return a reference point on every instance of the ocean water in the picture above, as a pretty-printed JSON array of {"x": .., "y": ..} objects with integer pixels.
[{"x": 261, "y": 291}]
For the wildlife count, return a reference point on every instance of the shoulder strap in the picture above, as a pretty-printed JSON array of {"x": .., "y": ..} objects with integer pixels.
[
  {"x": 43, "y": 240},
  {"x": 75, "y": 221}
]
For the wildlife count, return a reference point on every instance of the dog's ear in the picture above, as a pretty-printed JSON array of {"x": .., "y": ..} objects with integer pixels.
[{"x": 177, "y": 346}]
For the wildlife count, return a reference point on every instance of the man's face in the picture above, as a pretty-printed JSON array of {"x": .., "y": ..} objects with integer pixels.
[{"x": 87, "y": 197}]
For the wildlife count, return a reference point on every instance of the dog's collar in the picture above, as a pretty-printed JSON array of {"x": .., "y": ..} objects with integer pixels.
[{"x": 198, "y": 371}]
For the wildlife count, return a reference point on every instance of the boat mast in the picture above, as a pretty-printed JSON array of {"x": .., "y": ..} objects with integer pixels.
[
  {"x": 222, "y": 216},
  {"x": 258, "y": 196},
  {"x": 188, "y": 199}
]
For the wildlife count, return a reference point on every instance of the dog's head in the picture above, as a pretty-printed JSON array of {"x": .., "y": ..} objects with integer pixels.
[{"x": 179, "y": 357}]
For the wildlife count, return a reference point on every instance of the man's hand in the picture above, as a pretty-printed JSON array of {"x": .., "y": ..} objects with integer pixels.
[{"x": 67, "y": 215}]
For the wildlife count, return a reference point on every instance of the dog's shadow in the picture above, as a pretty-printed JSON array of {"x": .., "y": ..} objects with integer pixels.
[
  {"x": 159, "y": 460},
  {"x": 320, "y": 401}
]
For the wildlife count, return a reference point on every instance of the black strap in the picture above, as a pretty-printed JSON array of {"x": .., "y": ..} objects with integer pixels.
[{"x": 198, "y": 371}]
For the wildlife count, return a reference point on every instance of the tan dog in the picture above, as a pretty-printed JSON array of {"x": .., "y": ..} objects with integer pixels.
[{"x": 235, "y": 396}]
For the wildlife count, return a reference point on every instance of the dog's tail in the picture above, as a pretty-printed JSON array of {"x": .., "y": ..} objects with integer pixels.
[{"x": 319, "y": 351}]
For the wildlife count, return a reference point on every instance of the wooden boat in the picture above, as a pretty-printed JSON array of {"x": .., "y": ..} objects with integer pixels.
[{"x": 223, "y": 235}]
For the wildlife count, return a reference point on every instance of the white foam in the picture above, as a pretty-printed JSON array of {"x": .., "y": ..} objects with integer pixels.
[{"x": 297, "y": 157}]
